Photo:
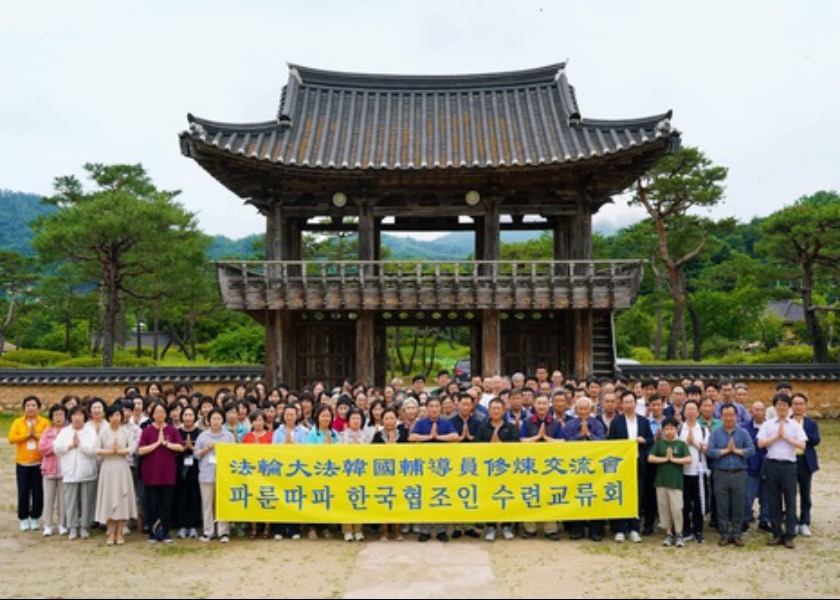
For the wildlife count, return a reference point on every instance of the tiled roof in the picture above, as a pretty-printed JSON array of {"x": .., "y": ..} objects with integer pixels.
[
  {"x": 346, "y": 121},
  {"x": 128, "y": 375}
]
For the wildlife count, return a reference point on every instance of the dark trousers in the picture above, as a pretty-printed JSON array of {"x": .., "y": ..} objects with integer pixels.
[
  {"x": 803, "y": 479},
  {"x": 650, "y": 507},
  {"x": 780, "y": 478},
  {"x": 30, "y": 486},
  {"x": 160, "y": 498},
  {"x": 692, "y": 507},
  {"x": 730, "y": 493}
]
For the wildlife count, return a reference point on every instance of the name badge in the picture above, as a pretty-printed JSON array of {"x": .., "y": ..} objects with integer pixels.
[
  {"x": 189, "y": 461},
  {"x": 212, "y": 458},
  {"x": 31, "y": 444}
]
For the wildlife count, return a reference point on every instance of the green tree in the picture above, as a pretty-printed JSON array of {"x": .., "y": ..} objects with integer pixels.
[
  {"x": 676, "y": 184},
  {"x": 124, "y": 228},
  {"x": 804, "y": 240},
  {"x": 16, "y": 275}
]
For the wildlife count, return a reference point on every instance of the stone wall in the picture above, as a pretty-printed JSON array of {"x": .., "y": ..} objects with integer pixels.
[{"x": 12, "y": 395}]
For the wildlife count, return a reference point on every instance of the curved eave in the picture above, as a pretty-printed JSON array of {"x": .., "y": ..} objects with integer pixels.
[{"x": 259, "y": 143}]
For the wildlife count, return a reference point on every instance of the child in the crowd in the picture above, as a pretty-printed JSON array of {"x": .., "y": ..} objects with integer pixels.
[{"x": 670, "y": 454}]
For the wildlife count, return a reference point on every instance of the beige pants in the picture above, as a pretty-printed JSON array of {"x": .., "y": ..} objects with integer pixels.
[
  {"x": 53, "y": 502},
  {"x": 531, "y": 528},
  {"x": 351, "y": 528},
  {"x": 208, "y": 499},
  {"x": 670, "y": 503}
]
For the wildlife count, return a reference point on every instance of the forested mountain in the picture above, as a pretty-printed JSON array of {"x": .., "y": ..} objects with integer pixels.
[{"x": 17, "y": 209}]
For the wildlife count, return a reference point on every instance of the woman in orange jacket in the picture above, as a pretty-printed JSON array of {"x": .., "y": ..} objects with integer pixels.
[{"x": 24, "y": 434}]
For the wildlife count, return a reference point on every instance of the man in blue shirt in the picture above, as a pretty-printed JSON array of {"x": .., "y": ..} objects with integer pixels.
[
  {"x": 730, "y": 447},
  {"x": 433, "y": 429}
]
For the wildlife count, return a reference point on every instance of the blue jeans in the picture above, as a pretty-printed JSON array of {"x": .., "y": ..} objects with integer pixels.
[{"x": 756, "y": 489}]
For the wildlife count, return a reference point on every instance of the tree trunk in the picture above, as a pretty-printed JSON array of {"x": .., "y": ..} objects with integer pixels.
[
  {"x": 7, "y": 320},
  {"x": 155, "y": 335},
  {"x": 678, "y": 318},
  {"x": 698, "y": 337},
  {"x": 815, "y": 332},
  {"x": 112, "y": 310},
  {"x": 138, "y": 334}
]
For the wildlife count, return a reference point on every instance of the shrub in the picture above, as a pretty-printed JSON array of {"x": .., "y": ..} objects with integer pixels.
[
  {"x": 10, "y": 364},
  {"x": 786, "y": 354},
  {"x": 36, "y": 358},
  {"x": 81, "y": 361},
  {"x": 243, "y": 345},
  {"x": 642, "y": 354}
]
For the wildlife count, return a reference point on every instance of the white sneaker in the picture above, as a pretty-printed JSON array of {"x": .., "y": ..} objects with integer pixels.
[
  {"x": 348, "y": 537},
  {"x": 278, "y": 537},
  {"x": 73, "y": 535},
  {"x": 84, "y": 534},
  {"x": 182, "y": 533},
  {"x": 635, "y": 537},
  {"x": 360, "y": 537},
  {"x": 619, "y": 538},
  {"x": 47, "y": 531},
  {"x": 62, "y": 530},
  {"x": 296, "y": 536},
  {"x": 193, "y": 533},
  {"x": 507, "y": 533},
  {"x": 34, "y": 525},
  {"x": 796, "y": 529},
  {"x": 24, "y": 525},
  {"x": 804, "y": 531},
  {"x": 490, "y": 534}
]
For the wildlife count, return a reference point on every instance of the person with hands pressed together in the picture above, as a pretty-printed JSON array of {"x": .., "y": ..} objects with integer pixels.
[
  {"x": 76, "y": 448},
  {"x": 631, "y": 426},
  {"x": 390, "y": 434},
  {"x": 584, "y": 428},
  {"x": 542, "y": 426},
  {"x": 464, "y": 421},
  {"x": 115, "y": 500},
  {"x": 433, "y": 429},
  {"x": 159, "y": 444},
  {"x": 497, "y": 429},
  {"x": 782, "y": 436},
  {"x": 730, "y": 447},
  {"x": 670, "y": 455},
  {"x": 24, "y": 435}
]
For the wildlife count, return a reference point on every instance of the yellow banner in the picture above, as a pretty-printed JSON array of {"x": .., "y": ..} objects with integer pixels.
[{"x": 434, "y": 483}]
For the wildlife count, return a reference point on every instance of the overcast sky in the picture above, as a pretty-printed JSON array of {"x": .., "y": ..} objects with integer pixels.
[{"x": 753, "y": 84}]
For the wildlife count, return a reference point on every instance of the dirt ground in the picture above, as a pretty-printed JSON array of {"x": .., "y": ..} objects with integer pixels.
[{"x": 35, "y": 567}]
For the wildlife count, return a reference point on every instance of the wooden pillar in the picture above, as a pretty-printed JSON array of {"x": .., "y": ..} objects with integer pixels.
[
  {"x": 488, "y": 231},
  {"x": 562, "y": 238},
  {"x": 583, "y": 343},
  {"x": 365, "y": 331},
  {"x": 491, "y": 343},
  {"x": 581, "y": 243},
  {"x": 582, "y": 230},
  {"x": 281, "y": 243}
]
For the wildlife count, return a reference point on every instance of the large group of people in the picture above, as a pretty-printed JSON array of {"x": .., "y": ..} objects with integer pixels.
[{"x": 707, "y": 453}]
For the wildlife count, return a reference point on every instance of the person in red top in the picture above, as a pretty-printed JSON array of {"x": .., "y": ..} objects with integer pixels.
[
  {"x": 24, "y": 434},
  {"x": 258, "y": 435}
]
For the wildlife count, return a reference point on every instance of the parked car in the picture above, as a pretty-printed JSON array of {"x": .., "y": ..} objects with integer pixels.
[{"x": 462, "y": 372}]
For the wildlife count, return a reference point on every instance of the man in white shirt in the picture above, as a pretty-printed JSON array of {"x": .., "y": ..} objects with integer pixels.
[{"x": 782, "y": 437}]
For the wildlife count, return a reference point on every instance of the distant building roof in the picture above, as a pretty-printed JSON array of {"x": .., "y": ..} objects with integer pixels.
[
  {"x": 351, "y": 121},
  {"x": 790, "y": 311}
]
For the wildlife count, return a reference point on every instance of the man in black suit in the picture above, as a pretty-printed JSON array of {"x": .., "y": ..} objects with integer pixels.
[
  {"x": 630, "y": 425},
  {"x": 806, "y": 463}
]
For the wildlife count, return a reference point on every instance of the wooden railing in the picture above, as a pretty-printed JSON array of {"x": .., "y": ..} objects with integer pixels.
[{"x": 429, "y": 285}]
